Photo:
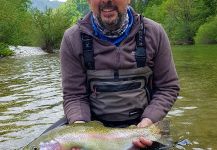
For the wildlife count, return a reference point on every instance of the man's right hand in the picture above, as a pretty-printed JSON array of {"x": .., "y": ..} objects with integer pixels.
[
  {"x": 76, "y": 148},
  {"x": 142, "y": 142},
  {"x": 79, "y": 122}
]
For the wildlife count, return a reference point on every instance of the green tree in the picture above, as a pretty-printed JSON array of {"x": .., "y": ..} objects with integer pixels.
[
  {"x": 207, "y": 33},
  {"x": 51, "y": 24},
  {"x": 211, "y": 7},
  {"x": 70, "y": 11},
  {"x": 14, "y": 21},
  {"x": 182, "y": 19},
  {"x": 154, "y": 10},
  {"x": 139, "y": 5},
  {"x": 48, "y": 26},
  {"x": 82, "y": 6}
]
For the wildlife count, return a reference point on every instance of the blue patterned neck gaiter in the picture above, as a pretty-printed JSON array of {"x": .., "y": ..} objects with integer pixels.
[{"x": 115, "y": 36}]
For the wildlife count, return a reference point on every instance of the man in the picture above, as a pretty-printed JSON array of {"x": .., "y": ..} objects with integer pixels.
[{"x": 117, "y": 68}]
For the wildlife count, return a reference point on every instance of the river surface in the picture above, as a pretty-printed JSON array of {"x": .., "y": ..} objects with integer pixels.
[{"x": 31, "y": 98}]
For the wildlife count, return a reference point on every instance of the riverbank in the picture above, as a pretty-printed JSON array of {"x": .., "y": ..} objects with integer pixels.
[{"x": 21, "y": 51}]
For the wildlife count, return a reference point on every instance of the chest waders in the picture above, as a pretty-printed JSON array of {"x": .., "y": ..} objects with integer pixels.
[{"x": 118, "y": 97}]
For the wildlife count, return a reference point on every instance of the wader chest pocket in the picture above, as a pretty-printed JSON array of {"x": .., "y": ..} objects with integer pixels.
[
  {"x": 117, "y": 87},
  {"x": 118, "y": 99}
]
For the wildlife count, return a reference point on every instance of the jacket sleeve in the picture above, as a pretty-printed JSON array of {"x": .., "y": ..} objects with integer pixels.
[
  {"x": 75, "y": 98},
  {"x": 165, "y": 80}
]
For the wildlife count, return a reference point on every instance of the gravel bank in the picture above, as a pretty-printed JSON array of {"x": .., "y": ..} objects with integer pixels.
[{"x": 21, "y": 51}]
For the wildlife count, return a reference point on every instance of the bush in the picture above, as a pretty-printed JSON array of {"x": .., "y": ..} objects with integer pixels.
[
  {"x": 5, "y": 51},
  {"x": 207, "y": 33}
]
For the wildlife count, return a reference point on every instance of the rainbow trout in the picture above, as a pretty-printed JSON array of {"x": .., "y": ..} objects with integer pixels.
[{"x": 95, "y": 136}]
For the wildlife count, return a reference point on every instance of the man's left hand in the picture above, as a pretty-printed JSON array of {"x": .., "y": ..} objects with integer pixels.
[
  {"x": 142, "y": 142},
  {"x": 145, "y": 122}
]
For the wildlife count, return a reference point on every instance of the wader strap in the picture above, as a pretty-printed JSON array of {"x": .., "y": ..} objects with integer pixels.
[
  {"x": 140, "y": 55},
  {"x": 87, "y": 44}
]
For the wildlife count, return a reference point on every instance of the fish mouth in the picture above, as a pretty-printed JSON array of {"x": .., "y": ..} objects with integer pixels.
[{"x": 51, "y": 145}]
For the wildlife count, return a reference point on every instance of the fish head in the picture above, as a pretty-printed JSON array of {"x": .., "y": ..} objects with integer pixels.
[{"x": 51, "y": 145}]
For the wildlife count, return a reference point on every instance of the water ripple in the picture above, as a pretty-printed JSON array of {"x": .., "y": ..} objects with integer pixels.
[{"x": 30, "y": 98}]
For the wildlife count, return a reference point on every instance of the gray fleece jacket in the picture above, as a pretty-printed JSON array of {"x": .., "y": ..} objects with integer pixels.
[{"x": 108, "y": 56}]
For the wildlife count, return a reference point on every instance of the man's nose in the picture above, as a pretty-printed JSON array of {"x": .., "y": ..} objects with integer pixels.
[{"x": 106, "y": 2}]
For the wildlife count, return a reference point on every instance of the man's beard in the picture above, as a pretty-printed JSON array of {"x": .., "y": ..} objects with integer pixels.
[{"x": 115, "y": 24}]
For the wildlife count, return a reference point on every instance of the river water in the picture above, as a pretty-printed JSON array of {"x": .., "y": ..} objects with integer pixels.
[{"x": 31, "y": 98}]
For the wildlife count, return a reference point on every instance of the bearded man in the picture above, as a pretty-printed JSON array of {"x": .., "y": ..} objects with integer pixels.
[{"x": 117, "y": 68}]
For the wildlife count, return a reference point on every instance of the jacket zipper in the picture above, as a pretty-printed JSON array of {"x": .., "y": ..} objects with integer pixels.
[{"x": 118, "y": 58}]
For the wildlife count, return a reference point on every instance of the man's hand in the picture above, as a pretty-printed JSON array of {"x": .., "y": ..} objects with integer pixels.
[
  {"x": 79, "y": 122},
  {"x": 145, "y": 123},
  {"x": 142, "y": 142},
  {"x": 76, "y": 148}
]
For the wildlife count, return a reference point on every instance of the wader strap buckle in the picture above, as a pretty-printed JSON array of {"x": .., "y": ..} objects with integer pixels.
[
  {"x": 87, "y": 44},
  {"x": 140, "y": 55}
]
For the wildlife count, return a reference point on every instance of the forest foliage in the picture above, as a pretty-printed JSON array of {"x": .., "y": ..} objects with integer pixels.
[{"x": 185, "y": 21}]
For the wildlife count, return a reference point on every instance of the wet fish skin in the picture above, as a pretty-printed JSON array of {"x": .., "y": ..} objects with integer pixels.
[{"x": 94, "y": 136}]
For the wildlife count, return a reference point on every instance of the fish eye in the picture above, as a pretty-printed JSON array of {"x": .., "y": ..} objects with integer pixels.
[{"x": 34, "y": 148}]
